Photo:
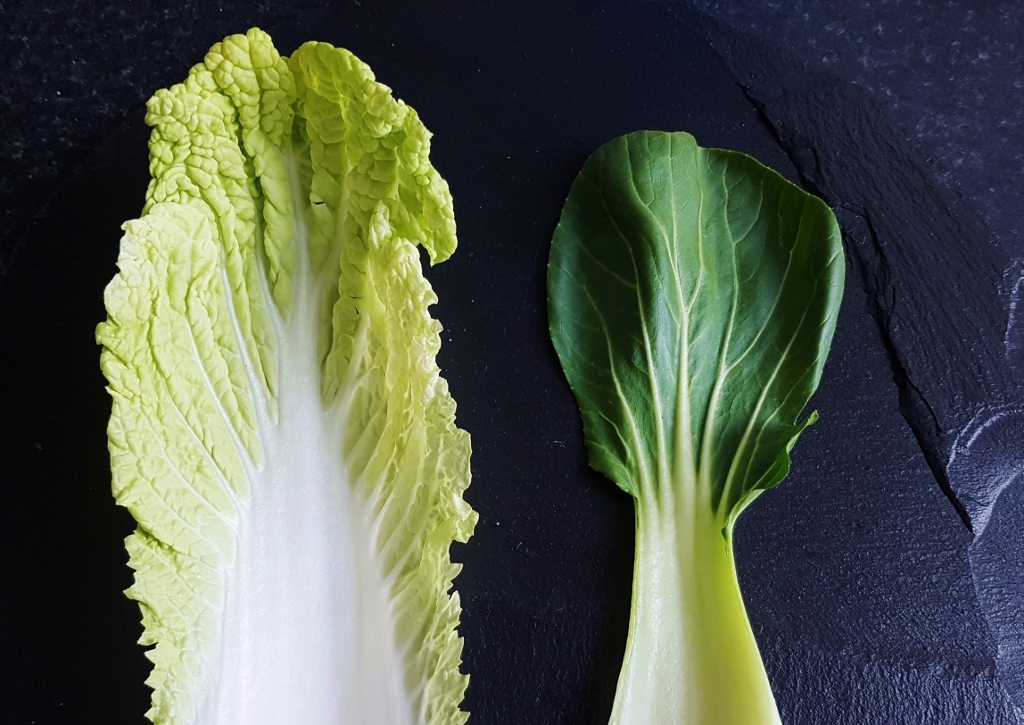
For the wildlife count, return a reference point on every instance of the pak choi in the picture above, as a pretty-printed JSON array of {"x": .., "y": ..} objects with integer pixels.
[{"x": 693, "y": 294}]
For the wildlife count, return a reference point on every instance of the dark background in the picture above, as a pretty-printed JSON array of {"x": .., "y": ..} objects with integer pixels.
[{"x": 870, "y": 596}]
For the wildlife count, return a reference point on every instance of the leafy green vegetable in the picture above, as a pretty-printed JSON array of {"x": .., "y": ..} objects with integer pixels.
[
  {"x": 693, "y": 294},
  {"x": 280, "y": 430}
]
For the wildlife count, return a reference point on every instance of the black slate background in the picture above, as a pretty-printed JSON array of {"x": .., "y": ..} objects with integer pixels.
[{"x": 857, "y": 571}]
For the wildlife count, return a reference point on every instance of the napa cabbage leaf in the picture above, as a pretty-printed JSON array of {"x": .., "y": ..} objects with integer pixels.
[
  {"x": 280, "y": 430},
  {"x": 693, "y": 294}
]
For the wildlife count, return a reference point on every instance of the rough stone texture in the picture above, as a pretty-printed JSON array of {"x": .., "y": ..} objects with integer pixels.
[{"x": 950, "y": 73}]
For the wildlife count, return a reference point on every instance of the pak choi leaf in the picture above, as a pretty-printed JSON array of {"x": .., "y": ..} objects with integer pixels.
[
  {"x": 693, "y": 295},
  {"x": 280, "y": 429}
]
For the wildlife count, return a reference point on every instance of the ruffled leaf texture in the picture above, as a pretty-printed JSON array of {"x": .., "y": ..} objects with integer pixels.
[{"x": 280, "y": 430}]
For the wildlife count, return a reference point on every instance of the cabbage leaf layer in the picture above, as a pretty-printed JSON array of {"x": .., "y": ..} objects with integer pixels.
[
  {"x": 280, "y": 430},
  {"x": 693, "y": 294}
]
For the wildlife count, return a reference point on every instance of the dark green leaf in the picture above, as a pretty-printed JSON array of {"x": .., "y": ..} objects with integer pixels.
[{"x": 693, "y": 294}]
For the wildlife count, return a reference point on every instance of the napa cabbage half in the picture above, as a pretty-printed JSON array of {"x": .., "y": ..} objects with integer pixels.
[{"x": 280, "y": 430}]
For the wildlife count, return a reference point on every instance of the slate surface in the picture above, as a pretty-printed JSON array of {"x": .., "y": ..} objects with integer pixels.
[
  {"x": 857, "y": 571},
  {"x": 950, "y": 75}
]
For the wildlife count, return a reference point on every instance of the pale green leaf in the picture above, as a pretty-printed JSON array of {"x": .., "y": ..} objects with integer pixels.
[{"x": 280, "y": 429}]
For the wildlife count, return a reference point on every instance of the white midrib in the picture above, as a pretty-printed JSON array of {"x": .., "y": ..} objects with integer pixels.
[
  {"x": 691, "y": 657},
  {"x": 307, "y": 632}
]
